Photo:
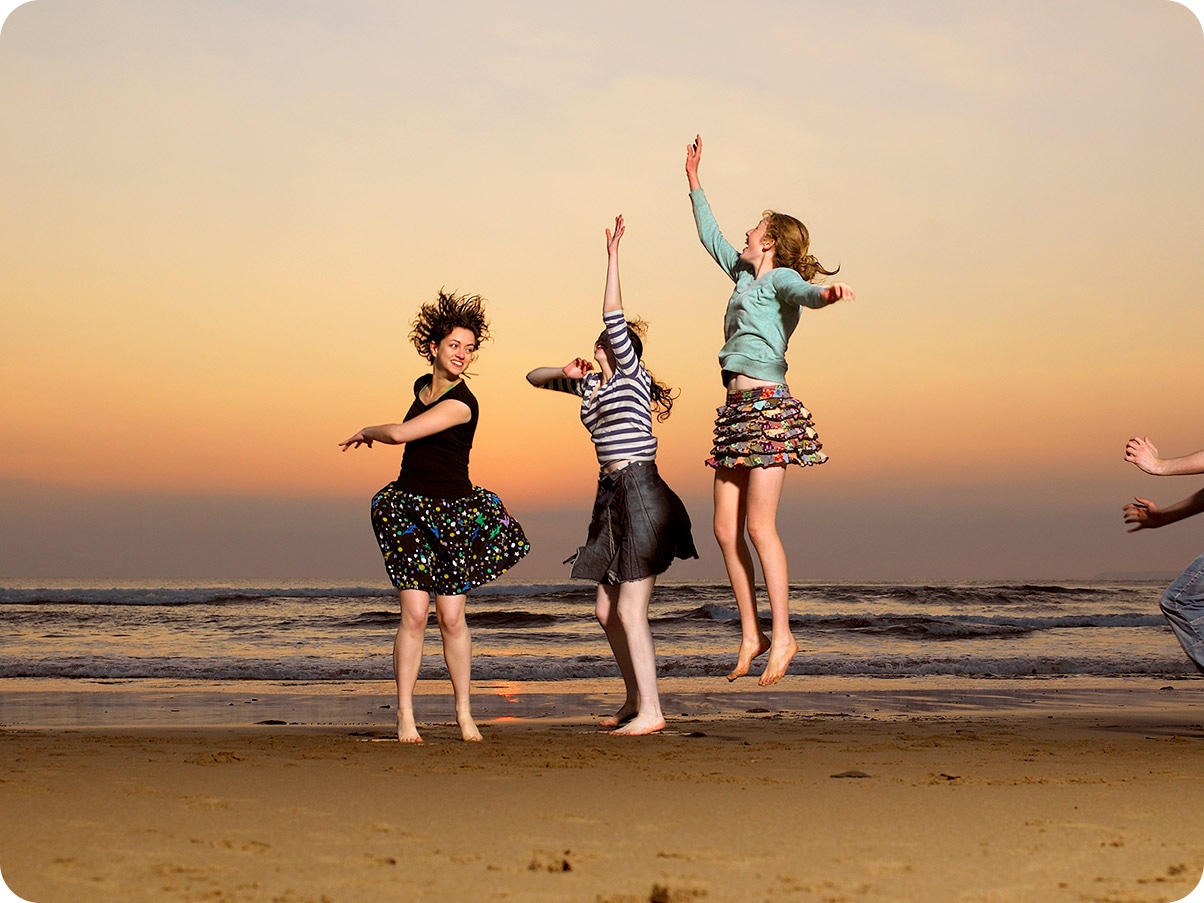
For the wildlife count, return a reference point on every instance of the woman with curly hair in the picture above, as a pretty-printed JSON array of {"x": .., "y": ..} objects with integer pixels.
[
  {"x": 440, "y": 535},
  {"x": 639, "y": 525}
]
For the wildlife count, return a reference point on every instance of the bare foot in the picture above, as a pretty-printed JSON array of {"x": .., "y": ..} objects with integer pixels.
[
  {"x": 407, "y": 730},
  {"x": 468, "y": 727},
  {"x": 640, "y": 725},
  {"x": 779, "y": 659},
  {"x": 748, "y": 652},
  {"x": 621, "y": 717}
]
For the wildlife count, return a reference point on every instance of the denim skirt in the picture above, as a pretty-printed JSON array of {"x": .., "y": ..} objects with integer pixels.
[{"x": 638, "y": 527}]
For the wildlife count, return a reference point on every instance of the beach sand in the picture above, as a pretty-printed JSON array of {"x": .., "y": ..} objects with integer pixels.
[{"x": 978, "y": 791}]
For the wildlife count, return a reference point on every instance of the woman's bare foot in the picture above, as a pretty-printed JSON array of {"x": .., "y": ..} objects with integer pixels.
[
  {"x": 625, "y": 713},
  {"x": 468, "y": 727},
  {"x": 748, "y": 652},
  {"x": 640, "y": 725},
  {"x": 779, "y": 660},
  {"x": 407, "y": 730}
]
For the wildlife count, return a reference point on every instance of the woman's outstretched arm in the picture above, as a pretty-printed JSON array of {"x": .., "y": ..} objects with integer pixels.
[{"x": 442, "y": 416}]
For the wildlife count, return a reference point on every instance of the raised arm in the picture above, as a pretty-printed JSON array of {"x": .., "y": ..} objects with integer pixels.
[
  {"x": 612, "y": 298},
  {"x": 1141, "y": 452},
  {"x": 442, "y": 416},
  {"x": 708, "y": 230},
  {"x": 626, "y": 360}
]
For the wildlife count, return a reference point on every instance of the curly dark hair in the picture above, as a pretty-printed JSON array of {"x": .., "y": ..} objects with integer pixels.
[
  {"x": 662, "y": 394},
  {"x": 447, "y": 312}
]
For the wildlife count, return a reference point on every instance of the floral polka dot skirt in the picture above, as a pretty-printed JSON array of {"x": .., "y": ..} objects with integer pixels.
[
  {"x": 764, "y": 427},
  {"x": 446, "y": 546}
]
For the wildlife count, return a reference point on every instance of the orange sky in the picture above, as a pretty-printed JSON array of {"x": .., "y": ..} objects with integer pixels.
[{"x": 219, "y": 219}]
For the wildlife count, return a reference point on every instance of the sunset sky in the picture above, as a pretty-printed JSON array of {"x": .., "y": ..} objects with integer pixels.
[{"x": 219, "y": 217}]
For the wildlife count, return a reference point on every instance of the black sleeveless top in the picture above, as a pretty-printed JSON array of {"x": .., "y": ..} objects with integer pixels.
[{"x": 437, "y": 466}]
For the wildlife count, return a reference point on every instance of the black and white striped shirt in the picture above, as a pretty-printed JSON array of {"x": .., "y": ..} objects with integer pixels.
[{"x": 618, "y": 415}]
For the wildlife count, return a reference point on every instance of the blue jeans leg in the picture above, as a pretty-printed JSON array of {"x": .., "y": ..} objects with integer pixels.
[{"x": 1183, "y": 605}]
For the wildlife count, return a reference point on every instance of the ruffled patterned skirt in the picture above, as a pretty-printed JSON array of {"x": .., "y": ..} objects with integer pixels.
[
  {"x": 764, "y": 427},
  {"x": 445, "y": 546}
]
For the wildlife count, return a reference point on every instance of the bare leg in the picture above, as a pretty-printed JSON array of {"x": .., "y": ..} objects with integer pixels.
[
  {"x": 764, "y": 492},
  {"x": 457, "y": 652},
  {"x": 607, "y": 612},
  {"x": 633, "y": 615},
  {"x": 731, "y": 486},
  {"x": 407, "y": 659}
]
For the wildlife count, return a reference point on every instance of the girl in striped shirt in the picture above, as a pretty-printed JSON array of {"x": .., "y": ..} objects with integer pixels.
[{"x": 639, "y": 525}]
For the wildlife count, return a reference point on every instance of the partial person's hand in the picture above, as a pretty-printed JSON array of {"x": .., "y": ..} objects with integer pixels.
[
  {"x": 838, "y": 291},
  {"x": 612, "y": 238},
  {"x": 577, "y": 368},
  {"x": 356, "y": 441},
  {"x": 1141, "y": 451},
  {"x": 1144, "y": 514}
]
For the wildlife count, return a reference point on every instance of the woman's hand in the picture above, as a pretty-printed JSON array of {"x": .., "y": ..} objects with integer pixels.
[
  {"x": 577, "y": 368},
  {"x": 612, "y": 238},
  {"x": 693, "y": 158},
  {"x": 356, "y": 441},
  {"x": 838, "y": 291},
  {"x": 439, "y": 417}
]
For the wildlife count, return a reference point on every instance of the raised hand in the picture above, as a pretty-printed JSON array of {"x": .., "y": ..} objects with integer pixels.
[
  {"x": 612, "y": 238},
  {"x": 693, "y": 158},
  {"x": 1144, "y": 514}
]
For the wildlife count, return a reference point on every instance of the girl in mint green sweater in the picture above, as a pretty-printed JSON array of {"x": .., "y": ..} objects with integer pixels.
[{"x": 762, "y": 428}]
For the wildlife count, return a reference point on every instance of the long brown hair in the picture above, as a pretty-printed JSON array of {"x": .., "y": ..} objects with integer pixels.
[
  {"x": 662, "y": 394},
  {"x": 791, "y": 245}
]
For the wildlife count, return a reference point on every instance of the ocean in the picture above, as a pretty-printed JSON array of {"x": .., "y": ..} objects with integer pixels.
[{"x": 215, "y": 632}]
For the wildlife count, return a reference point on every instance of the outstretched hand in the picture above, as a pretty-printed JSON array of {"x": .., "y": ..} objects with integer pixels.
[
  {"x": 838, "y": 291},
  {"x": 693, "y": 158},
  {"x": 1141, "y": 451},
  {"x": 577, "y": 368},
  {"x": 356, "y": 441},
  {"x": 1144, "y": 514},
  {"x": 612, "y": 238}
]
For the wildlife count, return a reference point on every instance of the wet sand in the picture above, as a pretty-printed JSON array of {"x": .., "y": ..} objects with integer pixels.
[{"x": 907, "y": 791}]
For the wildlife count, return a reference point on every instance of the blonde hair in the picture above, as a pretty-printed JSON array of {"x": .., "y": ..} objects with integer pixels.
[{"x": 791, "y": 244}]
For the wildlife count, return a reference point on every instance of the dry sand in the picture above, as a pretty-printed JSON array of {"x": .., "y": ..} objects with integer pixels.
[{"x": 1056, "y": 802}]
